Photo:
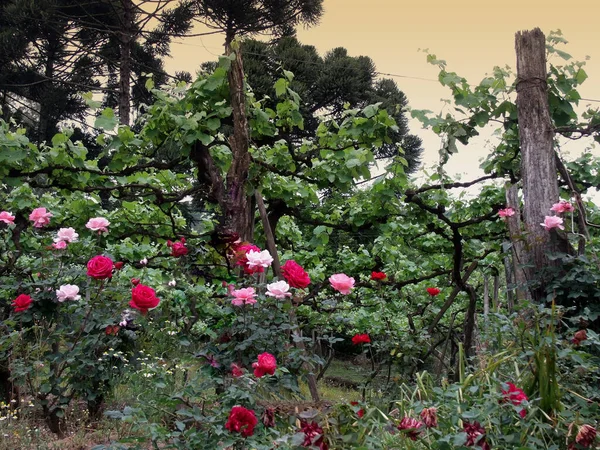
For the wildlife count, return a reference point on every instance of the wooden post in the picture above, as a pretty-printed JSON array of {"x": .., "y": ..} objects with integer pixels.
[{"x": 538, "y": 166}]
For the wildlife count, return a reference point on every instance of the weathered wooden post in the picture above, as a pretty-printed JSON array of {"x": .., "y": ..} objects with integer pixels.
[{"x": 538, "y": 165}]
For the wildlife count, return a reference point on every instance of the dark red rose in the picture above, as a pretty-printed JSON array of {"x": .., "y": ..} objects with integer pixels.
[
  {"x": 295, "y": 275},
  {"x": 433, "y": 291},
  {"x": 313, "y": 435},
  {"x": 475, "y": 435},
  {"x": 266, "y": 365},
  {"x": 241, "y": 420},
  {"x": 361, "y": 339},
  {"x": 268, "y": 417},
  {"x": 586, "y": 436},
  {"x": 143, "y": 298},
  {"x": 378, "y": 276},
  {"x": 135, "y": 281},
  {"x": 22, "y": 303},
  {"x": 100, "y": 267},
  {"x": 119, "y": 265}
]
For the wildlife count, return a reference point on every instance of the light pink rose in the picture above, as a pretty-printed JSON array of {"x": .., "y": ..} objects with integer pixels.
[
  {"x": 59, "y": 245},
  {"x": 342, "y": 283},
  {"x": 562, "y": 207},
  {"x": 244, "y": 296},
  {"x": 98, "y": 224},
  {"x": 278, "y": 289},
  {"x": 552, "y": 222},
  {"x": 40, "y": 217},
  {"x": 7, "y": 217},
  {"x": 258, "y": 259},
  {"x": 67, "y": 235},
  {"x": 68, "y": 292}
]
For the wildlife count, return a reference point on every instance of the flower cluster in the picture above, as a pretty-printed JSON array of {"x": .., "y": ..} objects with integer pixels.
[{"x": 551, "y": 222}]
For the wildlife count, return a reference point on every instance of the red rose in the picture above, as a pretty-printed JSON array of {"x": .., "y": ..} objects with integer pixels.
[
  {"x": 295, "y": 275},
  {"x": 143, "y": 298},
  {"x": 135, "y": 281},
  {"x": 241, "y": 420},
  {"x": 236, "y": 370},
  {"x": 516, "y": 397},
  {"x": 433, "y": 291},
  {"x": 178, "y": 249},
  {"x": 361, "y": 412},
  {"x": 22, "y": 303},
  {"x": 361, "y": 339},
  {"x": 119, "y": 265},
  {"x": 100, "y": 267},
  {"x": 266, "y": 364},
  {"x": 579, "y": 337},
  {"x": 378, "y": 276}
]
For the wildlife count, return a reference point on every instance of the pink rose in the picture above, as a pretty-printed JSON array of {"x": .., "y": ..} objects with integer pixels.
[
  {"x": 507, "y": 212},
  {"x": 411, "y": 426},
  {"x": 60, "y": 245},
  {"x": 342, "y": 283},
  {"x": 40, "y": 217},
  {"x": 100, "y": 267},
  {"x": 552, "y": 222},
  {"x": 143, "y": 298},
  {"x": 68, "y": 292},
  {"x": 98, "y": 224},
  {"x": 67, "y": 235},
  {"x": 295, "y": 275},
  {"x": 429, "y": 417},
  {"x": 258, "y": 259},
  {"x": 562, "y": 207},
  {"x": 239, "y": 256},
  {"x": 516, "y": 396},
  {"x": 266, "y": 365},
  {"x": 278, "y": 289},
  {"x": 7, "y": 217},
  {"x": 243, "y": 296}
]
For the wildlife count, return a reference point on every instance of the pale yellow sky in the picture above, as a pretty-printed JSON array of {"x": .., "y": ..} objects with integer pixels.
[{"x": 471, "y": 35}]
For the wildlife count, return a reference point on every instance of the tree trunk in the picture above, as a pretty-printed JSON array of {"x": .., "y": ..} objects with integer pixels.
[
  {"x": 125, "y": 42},
  {"x": 486, "y": 296},
  {"x": 538, "y": 167},
  {"x": 239, "y": 216}
]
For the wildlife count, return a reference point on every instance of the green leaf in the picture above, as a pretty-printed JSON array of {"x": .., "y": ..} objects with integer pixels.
[
  {"x": 280, "y": 87},
  {"x": 106, "y": 120}
]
